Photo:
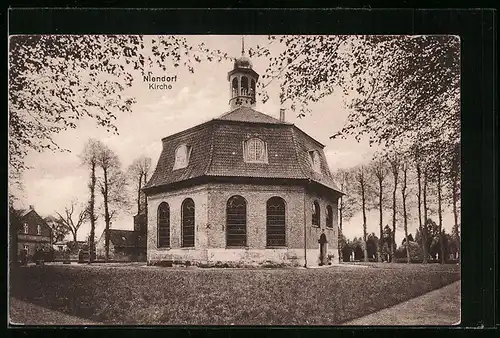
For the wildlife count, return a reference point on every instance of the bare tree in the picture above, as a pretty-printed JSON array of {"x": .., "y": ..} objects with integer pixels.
[
  {"x": 59, "y": 231},
  {"x": 112, "y": 186},
  {"x": 89, "y": 157},
  {"x": 418, "y": 157},
  {"x": 404, "y": 168},
  {"x": 347, "y": 202},
  {"x": 138, "y": 172},
  {"x": 454, "y": 182},
  {"x": 379, "y": 170},
  {"x": 395, "y": 164},
  {"x": 439, "y": 185},
  {"x": 344, "y": 179},
  {"x": 362, "y": 181},
  {"x": 69, "y": 222}
]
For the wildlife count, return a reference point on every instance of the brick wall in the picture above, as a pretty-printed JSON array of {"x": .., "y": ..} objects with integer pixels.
[
  {"x": 174, "y": 199},
  {"x": 313, "y": 233},
  {"x": 256, "y": 197},
  {"x": 210, "y": 224}
]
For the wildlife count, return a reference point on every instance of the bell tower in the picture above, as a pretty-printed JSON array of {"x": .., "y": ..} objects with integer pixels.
[{"x": 242, "y": 81}]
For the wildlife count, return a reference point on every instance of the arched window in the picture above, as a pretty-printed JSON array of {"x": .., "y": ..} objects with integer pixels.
[
  {"x": 234, "y": 87},
  {"x": 275, "y": 222},
  {"x": 236, "y": 221},
  {"x": 316, "y": 214},
  {"x": 163, "y": 219},
  {"x": 244, "y": 85},
  {"x": 255, "y": 150},
  {"x": 187, "y": 220},
  {"x": 182, "y": 156},
  {"x": 252, "y": 88},
  {"x": 329, "y": 216}
]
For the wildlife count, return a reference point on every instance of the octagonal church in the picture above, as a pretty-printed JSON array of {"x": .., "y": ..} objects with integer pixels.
[{"x": 242, "y": 189}]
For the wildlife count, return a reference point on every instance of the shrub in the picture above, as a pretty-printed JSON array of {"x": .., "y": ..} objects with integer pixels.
[{"x": 416, "y": 252}]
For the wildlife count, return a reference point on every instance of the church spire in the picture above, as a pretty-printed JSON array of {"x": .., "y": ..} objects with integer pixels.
[{"x": 242, "y": 81}]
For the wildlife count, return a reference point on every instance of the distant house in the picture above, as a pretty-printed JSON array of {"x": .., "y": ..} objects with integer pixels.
[
  {"x": 33, "y": 233},
  {"x": 124, "y": 245},
  {"x": 60, "y": 246}
]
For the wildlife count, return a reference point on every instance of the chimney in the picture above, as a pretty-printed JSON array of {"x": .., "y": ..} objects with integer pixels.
[
  {"x": 282, "y": 114},
  {"x": 32, "y": 207}
]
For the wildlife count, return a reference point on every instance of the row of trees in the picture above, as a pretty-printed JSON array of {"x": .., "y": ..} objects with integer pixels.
[
  {"x": 410, "y": 188},
  {"x": 111, "y": 182}
]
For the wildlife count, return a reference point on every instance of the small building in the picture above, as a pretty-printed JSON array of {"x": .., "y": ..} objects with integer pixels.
[
  {"x": 33, "y": 233},
  {"x": 124, "y": 245},
  {"x": 242, "y": 189},
  {"x": 60, "y": 246}
]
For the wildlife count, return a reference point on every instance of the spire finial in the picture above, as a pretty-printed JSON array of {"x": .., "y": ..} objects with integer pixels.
[{"x": 242, "y": 45}]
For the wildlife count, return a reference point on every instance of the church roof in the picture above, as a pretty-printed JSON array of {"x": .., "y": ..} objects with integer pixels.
[
  {"x": 247, "y": 114},
  {"x": 217, "y": 151}
]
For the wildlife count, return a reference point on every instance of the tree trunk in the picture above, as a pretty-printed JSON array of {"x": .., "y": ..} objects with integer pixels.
[
  {"x": 74, "y": 236},
  {"x": 92, "y": 211},
  {"x": 106, "y": 214},
  {"x": 379, "y": 246},
  {"x": 393, "y": 239},
  {"x": 440, "y": 214},
  {"x": 363, "y": 202},
  {"x": 425, "y": 233},
  {"x": 455, "y": 211},
  {"x": 419, "y": 197},
  {"x": 341, "y": 207},
  {"x": 139, "y": 195},
  {"x": 405, "y": 217}
]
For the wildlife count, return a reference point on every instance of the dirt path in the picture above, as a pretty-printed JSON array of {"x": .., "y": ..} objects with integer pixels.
[
  {"x": 438, "y": 307},
  {"x": 23, "y": 313}
]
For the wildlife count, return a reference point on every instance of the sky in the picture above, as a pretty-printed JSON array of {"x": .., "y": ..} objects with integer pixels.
[{"x": 56, "y": 178}]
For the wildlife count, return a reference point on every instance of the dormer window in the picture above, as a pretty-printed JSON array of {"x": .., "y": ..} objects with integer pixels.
[
  {"x": 255, "y": 151},
  {"x": 315, "y": 161},
  {"x": 182, "y": 156}
]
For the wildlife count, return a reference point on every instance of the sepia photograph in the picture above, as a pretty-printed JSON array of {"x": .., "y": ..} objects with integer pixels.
[{"x": 276, "y": 180}]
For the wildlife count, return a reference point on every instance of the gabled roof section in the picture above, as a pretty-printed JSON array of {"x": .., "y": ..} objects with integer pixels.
[
  {"x": 247, "y": 114},
  {"x": 227, "y": 152},
  {"x": 24, "y": 212},
  {"x": 305, "y": 144},
  {"x": 199, "y": 140}
]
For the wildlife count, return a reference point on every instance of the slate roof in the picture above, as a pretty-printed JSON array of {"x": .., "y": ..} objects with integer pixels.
[
  {"x": 247, "y": 114},
  {"x": 217, "y": 151},
  {"x": 24, "y": 212}
]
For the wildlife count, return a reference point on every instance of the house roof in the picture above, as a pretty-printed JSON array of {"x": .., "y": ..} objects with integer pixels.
[
  {"x": 217, "y": 151},
  {"x": 24, "y": 212}
]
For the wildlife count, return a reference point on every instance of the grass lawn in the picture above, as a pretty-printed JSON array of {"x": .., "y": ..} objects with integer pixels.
[{"x": 177, "y": 296}]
